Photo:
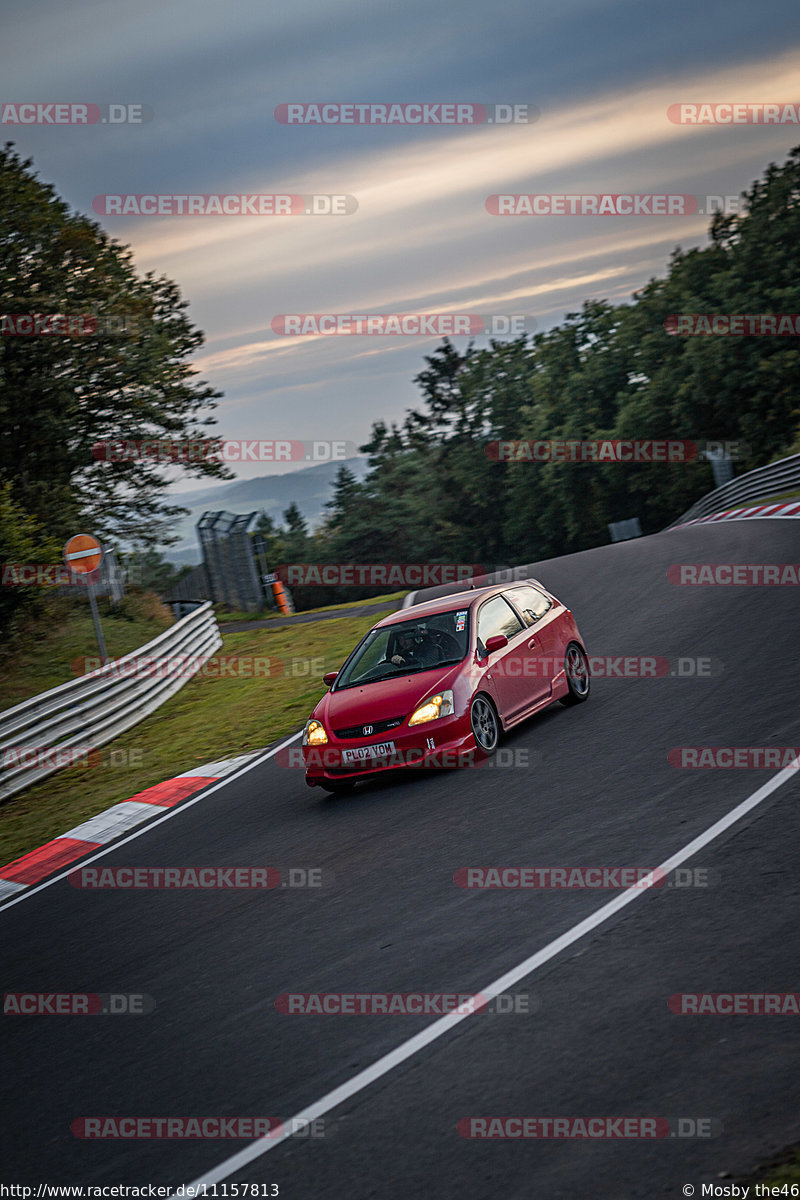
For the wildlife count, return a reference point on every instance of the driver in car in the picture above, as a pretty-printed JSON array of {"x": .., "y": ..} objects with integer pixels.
[{"x": 415, "y": 649}]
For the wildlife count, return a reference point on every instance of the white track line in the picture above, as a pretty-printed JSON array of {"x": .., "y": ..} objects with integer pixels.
[
  {"x": 441, "y": 1026},
  {"x": 31, "y": 889}
]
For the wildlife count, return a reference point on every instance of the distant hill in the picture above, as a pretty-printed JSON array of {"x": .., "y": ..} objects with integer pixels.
[{"x": 309, "y": 488}]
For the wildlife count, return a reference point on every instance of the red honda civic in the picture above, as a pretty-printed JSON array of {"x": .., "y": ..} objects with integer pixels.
[{"x": 437, "y": 684}]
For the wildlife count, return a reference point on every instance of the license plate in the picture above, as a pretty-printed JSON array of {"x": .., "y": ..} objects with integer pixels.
[{"x": 363, "y": 753}]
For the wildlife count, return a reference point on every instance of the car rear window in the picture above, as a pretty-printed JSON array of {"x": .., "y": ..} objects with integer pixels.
[{"x": 532, "y": 603}]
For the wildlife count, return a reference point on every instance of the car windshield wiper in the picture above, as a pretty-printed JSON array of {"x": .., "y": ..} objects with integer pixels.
[
  {"x": 362, "y": 681},
  {"x": 413, "y": 668}
]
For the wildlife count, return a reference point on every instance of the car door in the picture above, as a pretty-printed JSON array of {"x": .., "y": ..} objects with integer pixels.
[
  {"x": 541, "y": 616},
  {"x": 506, "y": 673}
]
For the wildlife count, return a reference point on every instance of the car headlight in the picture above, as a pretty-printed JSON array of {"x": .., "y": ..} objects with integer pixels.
[
  {"x": 440, "y": 705},
  {"x": 314, "y": 734}
]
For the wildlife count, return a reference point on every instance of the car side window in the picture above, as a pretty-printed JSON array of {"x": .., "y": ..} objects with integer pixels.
[
  {"x": 496, "y": 616},
  {"x": 532, "y": 603}
]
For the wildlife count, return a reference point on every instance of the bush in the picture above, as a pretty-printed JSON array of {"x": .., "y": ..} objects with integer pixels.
[{"x": 138, "y": 606}]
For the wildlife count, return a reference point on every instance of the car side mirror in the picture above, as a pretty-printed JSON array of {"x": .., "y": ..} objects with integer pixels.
[
  {"x": 329, "y": 677},
  {"x": 497, "y": 642}
]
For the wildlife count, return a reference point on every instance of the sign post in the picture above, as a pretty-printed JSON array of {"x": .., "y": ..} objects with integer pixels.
[{"x": 83, "y": 554}]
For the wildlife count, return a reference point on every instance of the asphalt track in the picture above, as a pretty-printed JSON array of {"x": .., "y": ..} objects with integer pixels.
[{"x": 598, "y": 791}]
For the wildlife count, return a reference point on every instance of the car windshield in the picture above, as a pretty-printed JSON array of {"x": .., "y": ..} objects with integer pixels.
[{"x": 414, "y": 645}]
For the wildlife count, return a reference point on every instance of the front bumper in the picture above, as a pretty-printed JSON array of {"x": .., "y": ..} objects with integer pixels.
[{"x": 453, "y": 746}]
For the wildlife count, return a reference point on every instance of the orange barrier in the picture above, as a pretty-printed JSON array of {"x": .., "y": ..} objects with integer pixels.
[{"x": 281, "y": 597}]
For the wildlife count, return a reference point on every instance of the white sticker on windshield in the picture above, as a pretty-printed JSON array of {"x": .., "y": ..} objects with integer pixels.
[{"x": 461, "y": 620}]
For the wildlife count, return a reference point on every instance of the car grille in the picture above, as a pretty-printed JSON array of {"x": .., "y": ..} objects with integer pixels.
[{"x": 357, "y": 731}]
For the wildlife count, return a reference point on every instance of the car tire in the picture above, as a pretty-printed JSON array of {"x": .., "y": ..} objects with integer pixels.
[
  {"x": 576, "y": 669},
  {"x": 485, "y": 725}
]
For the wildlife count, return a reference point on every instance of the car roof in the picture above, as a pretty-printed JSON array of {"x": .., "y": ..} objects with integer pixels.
[{"x": 454, "y": 600}]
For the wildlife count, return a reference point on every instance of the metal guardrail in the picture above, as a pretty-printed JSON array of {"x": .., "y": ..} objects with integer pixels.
[
  {"x": 783, "y": 475},
  {"x": 92, "y": 710}
]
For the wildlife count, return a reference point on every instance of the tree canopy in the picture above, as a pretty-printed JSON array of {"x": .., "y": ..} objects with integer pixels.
[{"x": 121, "y": 374}]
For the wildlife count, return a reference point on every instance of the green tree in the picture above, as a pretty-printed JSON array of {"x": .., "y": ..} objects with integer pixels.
[
  {"x": 148, "y": 569},
  {"x": 272, "y": 539},
  {"x": 124, "y": 376},
  {"x": 22, "y": 540},
  {"x": 296, "y": 536}
]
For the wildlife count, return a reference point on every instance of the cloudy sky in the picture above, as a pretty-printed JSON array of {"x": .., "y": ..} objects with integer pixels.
[{"x": 601, "y": 74}]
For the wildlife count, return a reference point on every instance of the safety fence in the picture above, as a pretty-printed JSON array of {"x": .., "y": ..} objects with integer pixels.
[{"x": 37, "y": 736}]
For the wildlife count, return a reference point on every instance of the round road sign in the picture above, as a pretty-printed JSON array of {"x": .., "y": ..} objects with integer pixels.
[{"x": 83, "y": 553}]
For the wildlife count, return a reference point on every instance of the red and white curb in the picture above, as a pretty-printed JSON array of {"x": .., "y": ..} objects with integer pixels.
[
  {"x": 784, "y": 509},
  {"x": 109, "y": 824}
]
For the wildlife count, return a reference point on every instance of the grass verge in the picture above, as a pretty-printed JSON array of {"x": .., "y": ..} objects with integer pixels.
[
  {"x": 210, "y": 718},
  {"x": 780, "y": 1171},
  {"x": 55, "y": 655}
]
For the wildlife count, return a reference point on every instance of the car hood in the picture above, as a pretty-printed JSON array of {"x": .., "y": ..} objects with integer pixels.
[{"x": 383, "y": 700}]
